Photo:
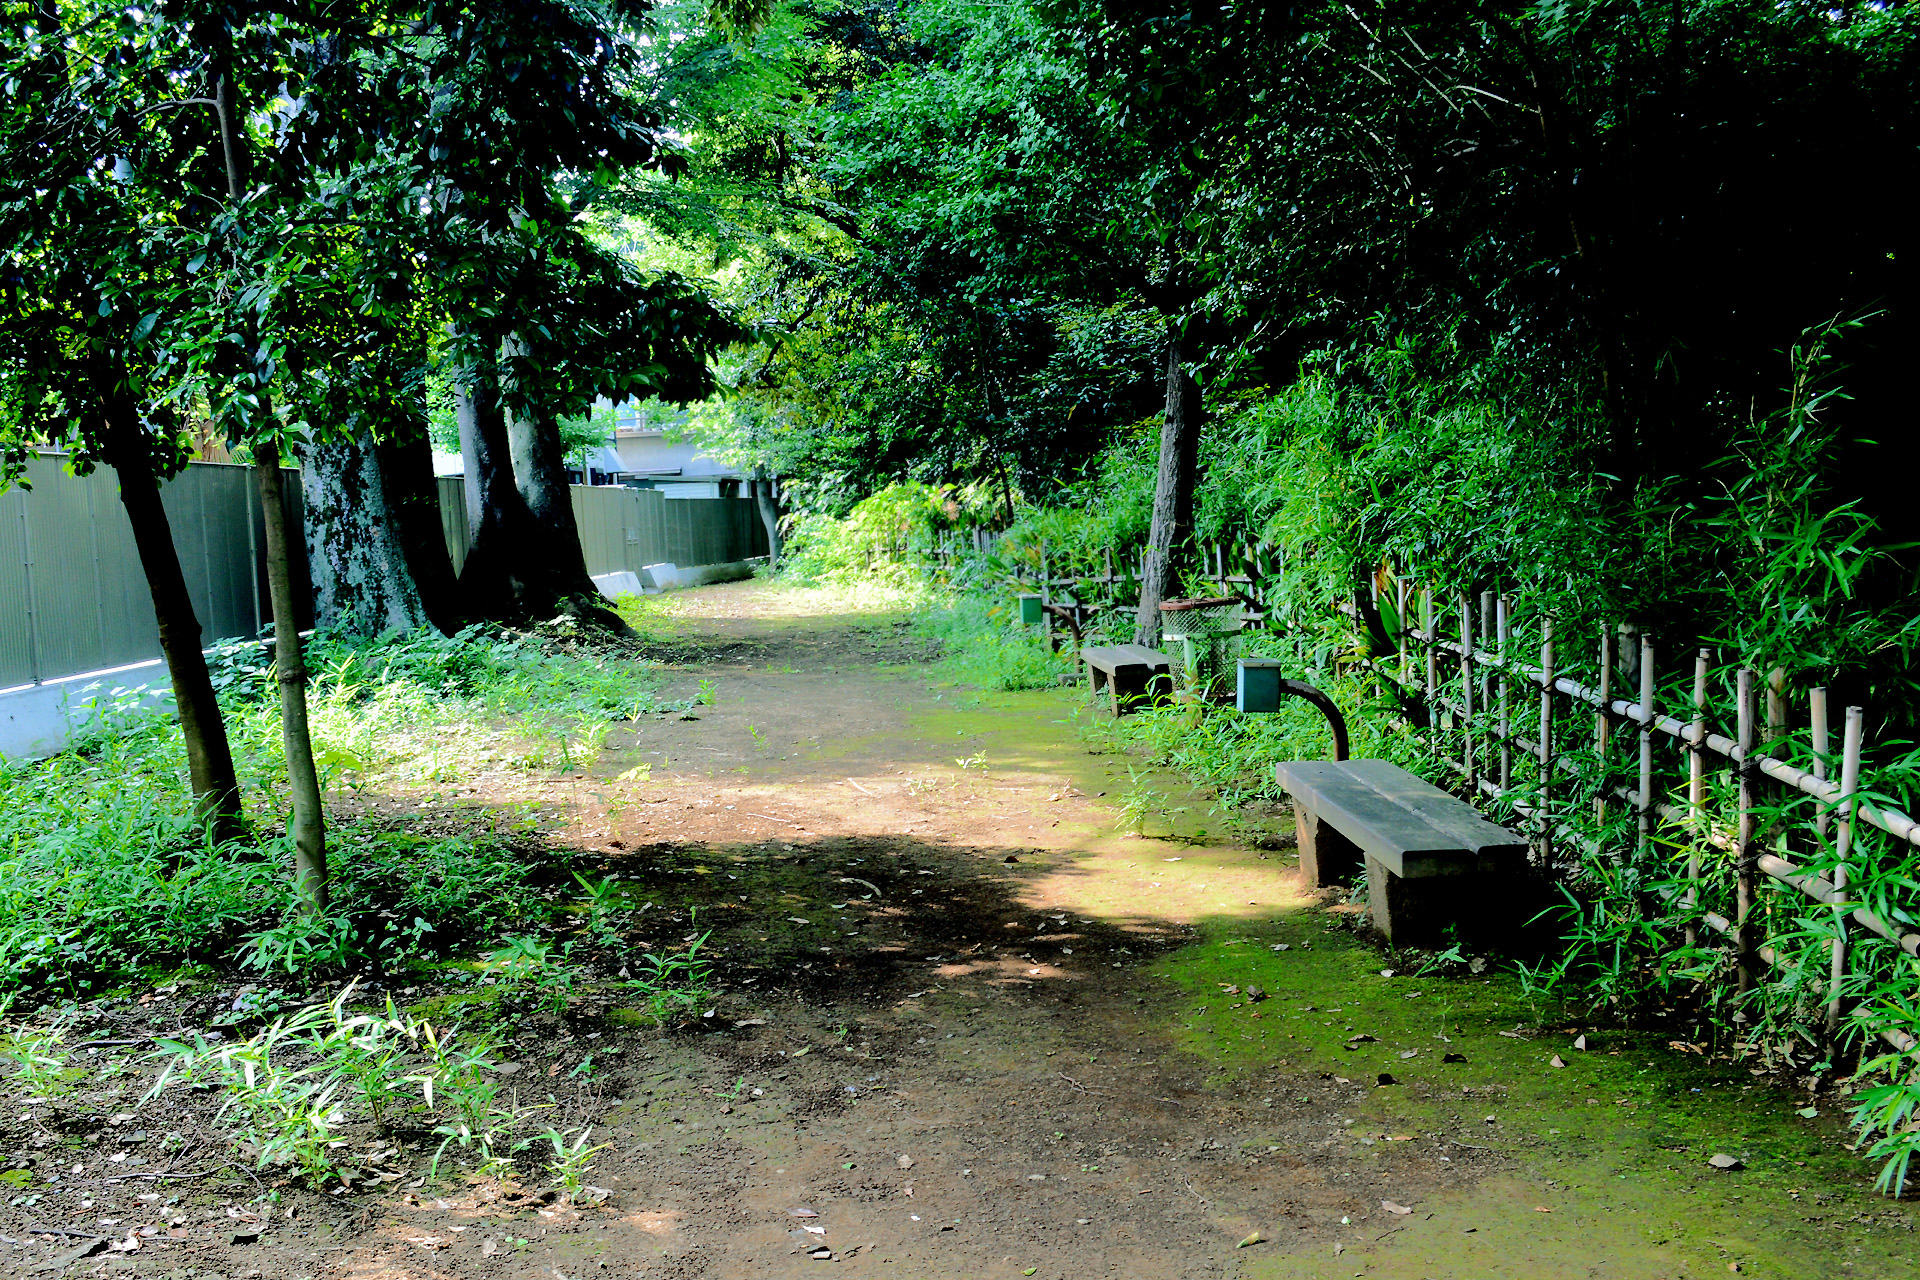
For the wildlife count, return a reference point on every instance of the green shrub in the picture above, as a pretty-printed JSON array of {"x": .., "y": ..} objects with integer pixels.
[{"x": 983, "y": 644}]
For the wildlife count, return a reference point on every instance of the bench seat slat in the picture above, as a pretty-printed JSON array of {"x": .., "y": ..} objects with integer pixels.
[
  {"x": 1408, "y": 825},
  {"x": 1108, "y": 656}
]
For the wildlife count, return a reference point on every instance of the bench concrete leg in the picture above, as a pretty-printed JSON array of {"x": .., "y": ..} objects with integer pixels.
[
  {"x": 1096, "y": 680},
  {"x": 1327, "y": 858},
  {"x": 1418, "y": 913},
  {"x": 1131, "y": 687}
]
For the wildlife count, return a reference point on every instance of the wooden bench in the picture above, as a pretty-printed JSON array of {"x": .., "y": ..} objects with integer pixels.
[
  {"x": 1431, "y": 860},
  {"x": 1129, "y": 672}
]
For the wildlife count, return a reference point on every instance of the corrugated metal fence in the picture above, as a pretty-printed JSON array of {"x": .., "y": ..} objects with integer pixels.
[
  {"x": 630, "y": 528},
  {"x": 73, "y": 597}
]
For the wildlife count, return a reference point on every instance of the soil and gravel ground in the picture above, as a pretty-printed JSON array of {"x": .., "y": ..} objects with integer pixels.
[{"x": 969, "y": 1027}]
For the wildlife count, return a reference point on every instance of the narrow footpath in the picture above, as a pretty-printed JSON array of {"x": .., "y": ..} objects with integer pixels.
[{"x": 972, "y": 1028}]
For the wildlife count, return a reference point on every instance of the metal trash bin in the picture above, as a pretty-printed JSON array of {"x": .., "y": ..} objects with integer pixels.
[{"x": 1202, "y": 641}]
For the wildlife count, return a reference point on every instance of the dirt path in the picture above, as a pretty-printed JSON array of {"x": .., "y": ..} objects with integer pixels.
[{"x": 972, "y": 1029}]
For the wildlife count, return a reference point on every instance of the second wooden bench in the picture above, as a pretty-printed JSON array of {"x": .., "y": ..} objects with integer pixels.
[
  {"x": 1431, "y": 860},
  {"x": 1129, "y": 672}
]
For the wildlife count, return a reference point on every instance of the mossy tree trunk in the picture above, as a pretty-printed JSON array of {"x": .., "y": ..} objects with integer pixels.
[
  {"x": 413, "y": 502},
  {"x": 1171, "y": 536},
  {"x": 361, "y": 576},
  {"x": 540, "y": 473},
  {"x": 525, "y": 563},
  {"x": 502, "y": 578}
]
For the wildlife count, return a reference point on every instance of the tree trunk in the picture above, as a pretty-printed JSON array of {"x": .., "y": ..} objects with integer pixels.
[
  {"x": 768, "y": 504},
  {"x": 290, "y": 667},
  {"x": 413, "y": 501},
  {"x": 540, "y": 473},
  {"x": 210, "y": 772},
  {"x": 518, "y": 569},
  {"x": 1167, "y": 541},
  {"x": 493, "y": 582},
  {"x": 362, "y": 580}
]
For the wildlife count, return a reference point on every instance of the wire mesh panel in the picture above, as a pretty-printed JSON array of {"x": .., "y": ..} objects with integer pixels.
[{"x": 1202, "y": 639}]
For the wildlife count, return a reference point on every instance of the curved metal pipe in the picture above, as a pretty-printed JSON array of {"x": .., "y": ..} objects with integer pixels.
[{"x": 1335, "y": 721}]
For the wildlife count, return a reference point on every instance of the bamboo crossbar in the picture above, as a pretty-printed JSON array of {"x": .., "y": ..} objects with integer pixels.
[{"x": 1891, "y": 821}]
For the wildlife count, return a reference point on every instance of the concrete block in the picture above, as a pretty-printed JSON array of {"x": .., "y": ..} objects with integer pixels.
[{"x": 614, "y": 585}]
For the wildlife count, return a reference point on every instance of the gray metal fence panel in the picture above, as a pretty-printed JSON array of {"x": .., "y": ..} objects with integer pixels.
[
  {"x": 73, "y": 593},
  {"x": 623, "y": 528},
  {"x": 74, "y": 598},
  {"x": 18, "y": 663}
]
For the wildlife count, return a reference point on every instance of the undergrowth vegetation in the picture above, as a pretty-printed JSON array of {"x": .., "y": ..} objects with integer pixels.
[
  {"x": 324, "y": 1093},
  {"x": 105, "y": 872}
]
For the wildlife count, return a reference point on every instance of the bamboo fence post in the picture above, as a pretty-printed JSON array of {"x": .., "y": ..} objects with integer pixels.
[
  {"x": 1746, "y": 882},
  {"x": 1433, "y": 662},
  {"x": 1843, "y": 847},
  {"x": 1696, "y": 790},
  {"x": 1486, "y": 671},
  {"x": 1822, "y": 746},
  {"x": 1466, "y": 691},
  {"x": 1776, "y": 710},
  {"x": 1400, "y": 620},
  {"x": 1546, "y": 743},
  {"x": 1046, "y": 589},
  {"x": 1645, "y": 815},
  {"x": 1775, "y": 740},
  {"x": 1502, "y": 635},
  {"x": 1603, "y": 727}
]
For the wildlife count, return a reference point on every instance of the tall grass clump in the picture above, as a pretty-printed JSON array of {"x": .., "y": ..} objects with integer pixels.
[{"x": 982, "y": 644}]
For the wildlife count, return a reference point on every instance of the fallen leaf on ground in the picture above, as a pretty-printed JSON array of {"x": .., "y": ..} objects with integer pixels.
[{"x": 1391, "y": 1207}]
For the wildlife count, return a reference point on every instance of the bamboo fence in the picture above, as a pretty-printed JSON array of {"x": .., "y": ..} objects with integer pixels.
[{"x": 1579, "y": 737}]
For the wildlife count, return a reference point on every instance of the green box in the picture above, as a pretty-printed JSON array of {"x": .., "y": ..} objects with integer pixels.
[
  {"x": 1257, "y": 685},
  {"x": 1031, "y": 614}
]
